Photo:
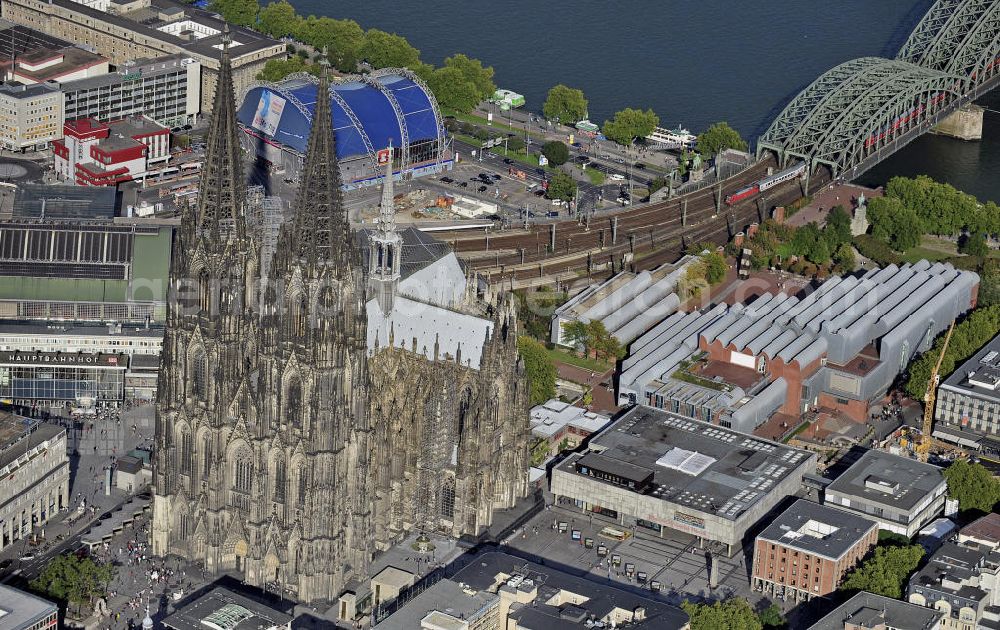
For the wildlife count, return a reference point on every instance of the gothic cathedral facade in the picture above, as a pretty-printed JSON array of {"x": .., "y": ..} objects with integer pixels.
[{"x": 309, "y": 420}]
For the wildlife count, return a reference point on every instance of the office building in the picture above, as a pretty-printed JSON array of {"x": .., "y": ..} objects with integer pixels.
[
  {"x": 30, "y": 116},
  {"x": 867, "y": 611},
  {"x": 20, "y": 610},
  {"x": 838, "y": 348},
  {"x": 659, "y": 471},
  {"x": 166, "y": 89},
  {"x": 899, "y": 493},
  {"x": 93, "y": 153},
  {"x": 35, "y": 469},
  {"x": 967, "y": 409},
  {"x": 984, "y": 531},
  {"x": 146, "y": 29},
  {"x": 808, "y": 550},
  {"x": 44, "y": 65}
]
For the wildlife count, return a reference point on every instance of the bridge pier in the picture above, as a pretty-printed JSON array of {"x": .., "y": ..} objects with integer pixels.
[{"x": 966, "y": 123}]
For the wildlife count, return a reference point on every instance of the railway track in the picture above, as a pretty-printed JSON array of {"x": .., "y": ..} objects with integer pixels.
[{"x": 642, "y": 238}]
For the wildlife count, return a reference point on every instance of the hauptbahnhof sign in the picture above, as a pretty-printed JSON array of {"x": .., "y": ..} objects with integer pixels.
[{"x": 17, "y": 357}]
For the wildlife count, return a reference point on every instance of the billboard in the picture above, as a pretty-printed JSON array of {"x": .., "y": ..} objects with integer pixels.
[{"x": 268, "y": 114}]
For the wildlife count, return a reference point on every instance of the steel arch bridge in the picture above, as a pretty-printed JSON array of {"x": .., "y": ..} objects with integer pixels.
[{"x": 861, "y": 111}]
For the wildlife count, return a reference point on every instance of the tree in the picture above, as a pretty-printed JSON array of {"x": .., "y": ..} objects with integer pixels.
[
  {"x": 342, "y": 40},
  {"x": 885, "y": 571},
  {"x": 575, "y": 334},
  {"x": 629, "y": 124},
  {"x": 844, "y": 257},
  {"x": 819, "y": 253},
  {"x": 715, "y": 267},
  {"x": 894, "y": 223},
  {"x": 472, "y": 70},
  {"x": 561, "y": 186},
  {"x": 732, "y": 614},
  {"x": 771, "y": 617},
  {"x": 838, "y": 227},
  {"x": 565, "y": 104},
  {"x": 277, "y": 69},
  {"x": 538, "y": 368},
  {"x": 241, "y": 12},
  {"x": 279, "y": 19},
  {"x": 74, "y": 580},
  {"x": 516, "y": 144},
  {"x": 556, "y": 152},
  {"x": 658, "y": 182},
  {"x": 975, "y": 487},
  {"x": 974, "y": 245},
  {"x": 718, "y": 138},
  {"x": 388, "y": 50},
  {"x": 453, "y": 90}
]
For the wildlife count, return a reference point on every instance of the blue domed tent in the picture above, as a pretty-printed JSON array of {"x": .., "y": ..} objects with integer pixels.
[{"x": 367, "y": 113}]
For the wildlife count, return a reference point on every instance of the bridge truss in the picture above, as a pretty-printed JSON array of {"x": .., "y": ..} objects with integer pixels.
[{"x": 863, "y": 108}]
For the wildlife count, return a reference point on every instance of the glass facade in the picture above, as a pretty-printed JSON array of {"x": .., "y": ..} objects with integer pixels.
[{"x": 37, "y": 382}]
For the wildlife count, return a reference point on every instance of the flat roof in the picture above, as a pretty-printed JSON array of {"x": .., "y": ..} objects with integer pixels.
[
  {"x": 986, "y": 528},
  {"x": 249, "y": 41},
  {"x": 888, "y": 479},
  {"x": 16, "y": 89},
  {"x": 223, "y": 609},
  {"x": 16, "y": 437},
  {"x": 817, "y": 529},
  {"x": 167, "y": 64},
  {"x": 694, "y": 464},
  {"x": 550, "y": 417},
  {"x": 445, "y": 596},
  {"x": 16, "y": 39},
  {"x": 39, "y": 201},
  {"x": 73, "y": 59},
  {"x": 867, "y": 610},
  {"x": 19, "y": 609},
  {"x": 980, "y": 375},
  {"x": 78, "y": 330},
  {"x": 490, "y": 569}
]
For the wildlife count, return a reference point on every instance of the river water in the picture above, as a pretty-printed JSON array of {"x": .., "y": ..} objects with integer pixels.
[{"x": 693, "y": 63}]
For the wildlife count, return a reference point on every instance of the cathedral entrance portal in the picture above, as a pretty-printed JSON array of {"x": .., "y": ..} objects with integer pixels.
[{"x": 241, "y": 553}]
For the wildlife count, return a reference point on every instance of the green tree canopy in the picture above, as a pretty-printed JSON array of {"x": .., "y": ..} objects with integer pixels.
[
  {"x": 565, "y": 104},
  {"x": 838, "y": 227},
  {"x": 732, "y": 614},
  {"x": 771, "y": 617},
  {"x": 885, "y": 571},
  {"x": 575, "y": 333},
  {"x": 969, "y": 335},
  {"x": 602, "y": 342},
  {"x": 556, "y": 152},
  {"x": 715, "y": 267},
  {"x": 844, "y": 258},
  {"x": 74, "y": 580},
  {"x": 561, "y": 186},
  {"x": 277, "y": 69},
  {"x": 453, "y": 90},
  {"x": 473, "y": 71},
  {"x": 893, "y": 222},
  {"x": 629, "y": 124},
  {"x": 342, "y": 40},
  {"x": 240, "y": 12},
  {"x": 975, "y": 487},
  {"x": 279, "y": 19},
  {"x": 720, "y": 137},
  {"x": 538, "y": 368},
  {"x": 974, "y": 245},
  {"x": 388, "y": 50}
]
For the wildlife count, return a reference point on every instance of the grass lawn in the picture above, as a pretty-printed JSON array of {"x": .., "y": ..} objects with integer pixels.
[
  {"x": 919, "y": 253},
  {"x": 562, "y": 356},
  {"x": 596, "y": 177},
  {"x": 498, "y": 123}
]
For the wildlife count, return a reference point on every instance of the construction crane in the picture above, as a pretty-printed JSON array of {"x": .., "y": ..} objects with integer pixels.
[{"x": 924, "y": 447}]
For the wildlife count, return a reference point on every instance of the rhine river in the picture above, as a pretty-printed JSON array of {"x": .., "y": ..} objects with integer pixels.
[{"x": 693, "y": 63}]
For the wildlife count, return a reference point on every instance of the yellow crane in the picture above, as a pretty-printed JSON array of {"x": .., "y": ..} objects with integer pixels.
[{"x": 924, "y": 447}]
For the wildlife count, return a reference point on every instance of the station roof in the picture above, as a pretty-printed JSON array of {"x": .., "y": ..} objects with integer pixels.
[
  {"x": 693, "y": 464},
  {"x": 38, "y": 201},
  {"x": 818, "y": 530},
  {"x": 19, "y": 609},
  {"x": 363, "y": 112},
  {"x": 888, "y": 479}
]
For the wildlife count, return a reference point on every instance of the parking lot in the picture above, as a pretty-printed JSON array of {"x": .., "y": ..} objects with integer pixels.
[{"x": 674, "y": 563}]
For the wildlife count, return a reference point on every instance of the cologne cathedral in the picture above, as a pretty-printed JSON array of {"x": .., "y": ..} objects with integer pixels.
[{"x": 362, "y": 392}]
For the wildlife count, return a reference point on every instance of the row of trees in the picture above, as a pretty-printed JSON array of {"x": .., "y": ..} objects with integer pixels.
[
  {"x": 969, "y": 336},
  {"x": 460, "y": 84},
  {"x": 539, "y": 369},
  {"x": 732, "y": 614},
  {"x": 918, "y": 206},
  {"x": 74, "y": 580},
  {"x": 773, "y": 243},
  {"x": 886, "y": 571}
]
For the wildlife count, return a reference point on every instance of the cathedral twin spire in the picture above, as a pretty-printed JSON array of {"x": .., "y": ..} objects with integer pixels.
[{"x": 222, "y": 190}]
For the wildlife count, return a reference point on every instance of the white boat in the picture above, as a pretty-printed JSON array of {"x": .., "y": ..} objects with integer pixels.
[{"x": 673, "y": 137}]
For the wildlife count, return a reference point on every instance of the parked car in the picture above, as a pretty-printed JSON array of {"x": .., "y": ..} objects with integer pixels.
[
  {"x": 481, "y": 189},
  {"x": 496, "y": 177},
  {"x": 508, "y": 161},
  {"x": 447, "y": 180},
  {"x": 464, "y": 184},
  {"x": 539, "y": 193},
  {"x": 28, "y": 557}
]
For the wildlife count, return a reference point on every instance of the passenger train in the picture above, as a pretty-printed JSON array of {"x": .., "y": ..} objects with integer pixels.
[{"x": 768, "y": 182}]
